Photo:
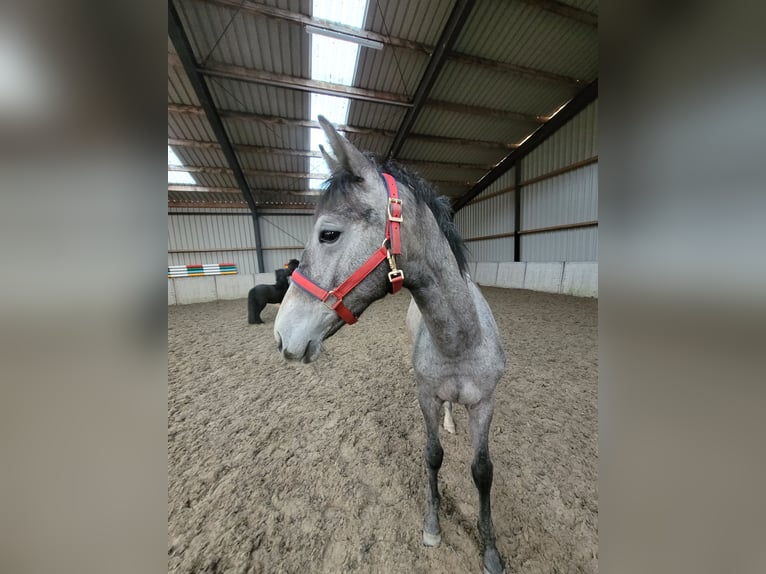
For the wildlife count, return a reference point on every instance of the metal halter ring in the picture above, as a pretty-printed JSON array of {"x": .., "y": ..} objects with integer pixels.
[
  {"x": 338, "y": 301},
  {"x": 394, "y": 274}
]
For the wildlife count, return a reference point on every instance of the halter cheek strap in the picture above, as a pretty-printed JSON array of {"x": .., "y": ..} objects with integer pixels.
[{"x": 391, "y": 247}]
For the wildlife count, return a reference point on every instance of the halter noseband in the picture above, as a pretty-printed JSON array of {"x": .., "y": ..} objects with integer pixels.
[{"x": 391, "y": 247}]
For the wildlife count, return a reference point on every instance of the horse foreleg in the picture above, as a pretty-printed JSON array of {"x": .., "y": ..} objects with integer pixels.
[
  {"x": 449, "y": 422},
  {"x": 433, "y": 458},
  {"x": 480, "y": 417},
  {"x": 255, "y": 304}
]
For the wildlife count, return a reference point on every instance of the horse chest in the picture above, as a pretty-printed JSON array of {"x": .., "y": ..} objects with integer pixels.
[{"x": 460, "y": 382}]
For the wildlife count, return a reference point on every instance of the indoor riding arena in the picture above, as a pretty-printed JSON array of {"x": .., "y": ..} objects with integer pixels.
[{"x": 328, "y": 465}]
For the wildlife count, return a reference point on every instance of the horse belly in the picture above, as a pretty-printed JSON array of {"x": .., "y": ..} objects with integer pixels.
[{"x": 276, "y": 297}]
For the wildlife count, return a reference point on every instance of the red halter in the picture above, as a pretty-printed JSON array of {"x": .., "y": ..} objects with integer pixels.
[{"x": 391, "y": 246}]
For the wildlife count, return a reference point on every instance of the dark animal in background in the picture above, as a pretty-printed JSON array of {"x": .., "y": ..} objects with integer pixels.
[{"x": 261, "y": 295}]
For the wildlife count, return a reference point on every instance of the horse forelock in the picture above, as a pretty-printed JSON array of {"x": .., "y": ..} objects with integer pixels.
[{"x": 338, "y": 191}]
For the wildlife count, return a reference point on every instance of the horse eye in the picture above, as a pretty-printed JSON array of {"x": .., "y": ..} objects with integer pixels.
[{"x": 328, "y": 236}]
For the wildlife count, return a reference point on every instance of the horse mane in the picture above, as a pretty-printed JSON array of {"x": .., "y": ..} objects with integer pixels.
[{"x": 341, "y": 182}]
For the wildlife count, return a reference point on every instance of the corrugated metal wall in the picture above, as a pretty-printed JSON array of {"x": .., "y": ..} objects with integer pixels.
[
  {"x": 197, "y": 231},
  {"x": 565, "y": 199},
  {"x": 288, "y": 232},
  {"x": 575, "y": 141},
  {"x": 493, "y": 216},
  {"x": 568, "y": 198}
]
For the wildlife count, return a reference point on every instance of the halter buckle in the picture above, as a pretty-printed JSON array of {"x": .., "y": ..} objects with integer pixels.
[
  {"x": 391, "y": 216},
  {"x": 334, "y": 306}
]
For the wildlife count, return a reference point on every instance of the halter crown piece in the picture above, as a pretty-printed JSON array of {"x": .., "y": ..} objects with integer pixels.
[{"x": 391, "y": 247}]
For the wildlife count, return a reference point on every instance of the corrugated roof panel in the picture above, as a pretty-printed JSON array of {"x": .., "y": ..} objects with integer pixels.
[
  {"x": 581, "y": 62},
  {"x": 180, "y": 90},
  {"x": 375, "y": 144},
  {"x": 470, "y": 126},
  {"x": 587, "y": 5},
  {"x": 473, "y": 85},
  {"x": 243, "y": 212},
  {"x": 303, "y": 6},
  {"x": 226, "y": 197},
  {"x": 232, "y": 95},
  {"x": 276, "y": 183},
  {"x": 298, "y": 199},
  {"x": 268, "y": 135},
  {"x": 444, "y": 171},
  {"x": 232, "y": 198},
  {"x": 220, "y": 34},
  {"x": 190, "y": 127},
  {"x": 272, "y": 162},
  {"x": 215, "y": 179},
  {"x": 389, "y": 70},
  {"x": 449, "y": 189},
  {"x": 512, "y": 32},
  {"x": 517, "y": 33},
  {"x": 198, "y": 31},
  {"x": 429, "y": 151},
  {"x": 370, "y": 115},
  {"x": 265, "y": 44},
  {"x": 421, "y": 21},
  {"x": 200, "y": 156}
]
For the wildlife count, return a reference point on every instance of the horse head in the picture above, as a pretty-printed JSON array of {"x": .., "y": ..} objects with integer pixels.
[
  {"x": 291, "y": 266},
  {"x": 349, "y": 226}
]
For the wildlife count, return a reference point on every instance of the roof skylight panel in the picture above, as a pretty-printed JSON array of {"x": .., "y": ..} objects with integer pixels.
[
  {"x": 332, "y": 60},
  {"x": 183, "y": 177}
]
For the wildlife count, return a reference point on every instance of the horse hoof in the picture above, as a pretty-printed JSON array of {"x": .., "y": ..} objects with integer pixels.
[
  {"x": 431, "y": 539},
  {"x": 449, "y": 428},
  {"x": 492, "y": 564}
]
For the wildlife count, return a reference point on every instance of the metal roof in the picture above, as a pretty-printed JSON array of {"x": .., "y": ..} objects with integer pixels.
[{"x": 512, "y": 65}]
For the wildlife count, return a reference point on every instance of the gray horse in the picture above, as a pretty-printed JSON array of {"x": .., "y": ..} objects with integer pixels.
[{"x": 457, "y": 355}]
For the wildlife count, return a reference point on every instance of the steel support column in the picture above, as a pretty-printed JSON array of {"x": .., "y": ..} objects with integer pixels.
[{"x": 517, "y": 213}]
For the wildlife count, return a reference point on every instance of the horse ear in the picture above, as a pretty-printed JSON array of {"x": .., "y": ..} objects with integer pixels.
[
  {"x": 332, "y": 163},
  {"x": 347, "y": 156}
]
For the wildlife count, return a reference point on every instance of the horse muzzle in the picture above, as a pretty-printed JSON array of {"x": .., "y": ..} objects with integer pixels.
[
  {"x": 307, "y": 353},
  {"x": 300, "y": 328}
]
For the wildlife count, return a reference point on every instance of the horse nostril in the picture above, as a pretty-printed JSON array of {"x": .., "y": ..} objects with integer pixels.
[{"x": 279, "y": 342}]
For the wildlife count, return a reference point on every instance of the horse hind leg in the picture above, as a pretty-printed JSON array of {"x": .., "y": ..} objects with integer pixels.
[
  {"x": 480, "y": 417},
  {"x": 433, "y": 458},
  {"x": 449, "y": 422},
  {"x": 252, "y": 311}
]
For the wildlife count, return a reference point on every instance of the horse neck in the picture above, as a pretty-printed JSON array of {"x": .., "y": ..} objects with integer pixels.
[{"x": 440, "y": 291}]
